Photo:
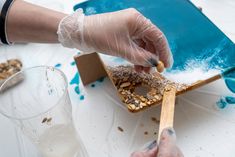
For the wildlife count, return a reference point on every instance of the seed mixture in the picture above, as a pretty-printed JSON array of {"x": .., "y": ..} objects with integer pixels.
[
  {"x": 47, "y": 120},
  {"x": 9, "y": 68},
  {"x": 126, "y": 79},
  {"x": 155, "y": 120},
  {"x": 120, "y": 129}
]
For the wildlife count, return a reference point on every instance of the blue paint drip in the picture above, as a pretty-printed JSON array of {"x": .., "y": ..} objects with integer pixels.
[
  {"x": 72, "y": 63},
  {"x": 57, "y": 65},
  {"x": 82, "y": 97},
  {"x": 75, "y": 80},
  {"x": 77, "y": 90},
  {"x": 225, "y": 101},
  {"x": 93, "y": 85}
]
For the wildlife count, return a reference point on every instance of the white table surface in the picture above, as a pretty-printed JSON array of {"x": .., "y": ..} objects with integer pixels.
[{"x": 202, "y": 129}]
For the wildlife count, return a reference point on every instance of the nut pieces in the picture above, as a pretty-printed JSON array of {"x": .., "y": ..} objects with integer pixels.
[
  {"x": 126, "y": 79},
  {"x": 160, "y": 67},
  {"x": 9, "y": 68}
]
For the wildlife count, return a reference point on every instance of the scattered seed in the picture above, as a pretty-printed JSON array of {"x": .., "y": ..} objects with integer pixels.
[
  {"x": 44, "y": 120},
  {"x": 154, "y": 119},
  {"x": 49, "y": 120},
  {"x": 120, "y": 129},
  {"x": 125, "y": 84},
  {"x": 9, "y": 68},
  {"x": 146, "y": 132}
]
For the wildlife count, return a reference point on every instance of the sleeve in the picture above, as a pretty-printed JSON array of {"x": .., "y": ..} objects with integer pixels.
[
  {"x": 4, "y": 6},
  {"x": 1, "y": 5}
]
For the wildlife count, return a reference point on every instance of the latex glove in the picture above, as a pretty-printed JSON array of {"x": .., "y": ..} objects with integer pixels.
[
  {"x": 126, "y": 33},
  {"x": 166, "y": 148}
]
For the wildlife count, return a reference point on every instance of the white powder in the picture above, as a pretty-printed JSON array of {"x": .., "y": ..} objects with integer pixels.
[{"x": 190, "y": 76}]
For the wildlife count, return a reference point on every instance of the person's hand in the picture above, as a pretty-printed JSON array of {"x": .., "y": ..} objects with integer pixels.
[
  {"x": 166, "y": 148},
  {"x": 126, "y": 33}
]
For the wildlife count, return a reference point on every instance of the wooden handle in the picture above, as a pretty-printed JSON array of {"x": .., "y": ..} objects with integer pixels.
[{"x": 167, "y": 110}]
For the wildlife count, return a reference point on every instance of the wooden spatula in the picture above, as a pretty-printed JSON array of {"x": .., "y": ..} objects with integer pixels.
[{"x": 167, "y": 110}]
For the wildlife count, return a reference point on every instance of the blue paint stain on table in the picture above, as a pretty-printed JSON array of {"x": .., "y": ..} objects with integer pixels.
[
  {"x": 82, "y": 97},
  {"x": 75, "y": 79},
  {"x": 225, "y": 101},
  {"x": 57, "y": 65},
  {"x": 77, "y": 90},
  {"x": 72, "y": 63}
]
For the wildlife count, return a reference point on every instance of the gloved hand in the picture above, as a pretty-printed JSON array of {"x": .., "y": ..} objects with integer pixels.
[
  {"x": 126, "y": 33},
  {"x": 166, "y": 148}
]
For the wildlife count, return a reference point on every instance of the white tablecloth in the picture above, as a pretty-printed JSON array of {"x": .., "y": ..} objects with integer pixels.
[{"x": 202, "y": 128}]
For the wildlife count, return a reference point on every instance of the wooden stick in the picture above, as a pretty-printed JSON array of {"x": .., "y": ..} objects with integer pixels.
[
  {"x": 200, "y": 83},
  {"x": 167, "y": 110}
]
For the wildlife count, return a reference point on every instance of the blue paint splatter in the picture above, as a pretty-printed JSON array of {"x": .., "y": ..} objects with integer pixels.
[
  {"x": 77, "y": 90},
  {"x": 72, "y": 63},
  {"x": 225, "y": 101},
  {"x": 221, "y": 103},
  {"x": 230, "y": 100},
  {"x": 75, "y": 80},
  {"x": 82, "y": 97},
  {"x": 93, "y": 85},
  {"x": 57, "y": 65},
  {"x": 100, "y": 79}
]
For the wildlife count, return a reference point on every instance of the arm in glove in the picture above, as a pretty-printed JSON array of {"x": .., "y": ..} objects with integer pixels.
[{"x": 126, "y": 33}]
